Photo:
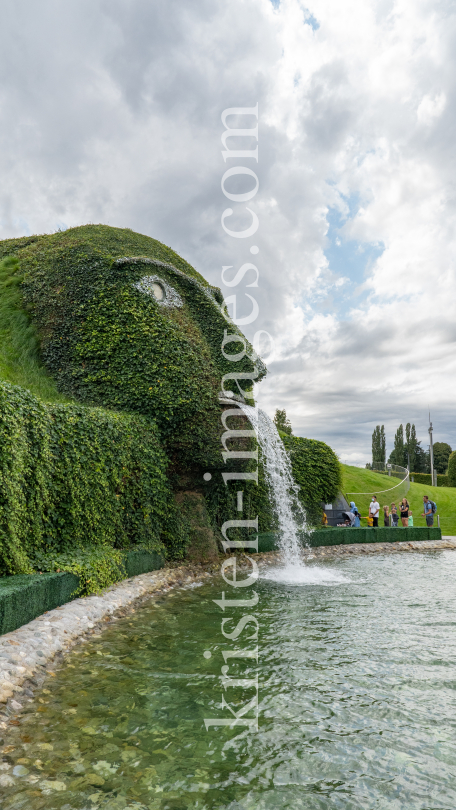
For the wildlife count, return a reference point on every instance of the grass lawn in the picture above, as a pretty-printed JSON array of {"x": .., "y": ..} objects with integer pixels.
[
  {"x": 19, "y": 352},
  {"x": 356, "y": 479}
]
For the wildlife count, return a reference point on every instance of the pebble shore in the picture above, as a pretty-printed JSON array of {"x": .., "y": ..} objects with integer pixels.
[
  {"x": 327, "y": 552},
  {"x": 31, "y": 653}
]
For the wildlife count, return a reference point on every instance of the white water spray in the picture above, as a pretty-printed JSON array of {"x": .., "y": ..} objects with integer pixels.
[{"x": 290, "y": 513}]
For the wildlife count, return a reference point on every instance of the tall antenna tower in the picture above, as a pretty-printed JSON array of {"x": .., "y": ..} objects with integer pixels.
[{"x": 431, "y": 454}]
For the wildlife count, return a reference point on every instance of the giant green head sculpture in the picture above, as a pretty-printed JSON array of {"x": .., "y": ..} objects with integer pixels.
[{"x": 125, "y": 323}]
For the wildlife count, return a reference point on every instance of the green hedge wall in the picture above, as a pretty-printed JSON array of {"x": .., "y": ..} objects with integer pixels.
[
  {"x": 425, "y": 478},
  {"x": 336, "y": 537},
  {"x": 23, "y": 598},
  {"x": 73, "y": 477},
  {"x": 316, "y": 470}
]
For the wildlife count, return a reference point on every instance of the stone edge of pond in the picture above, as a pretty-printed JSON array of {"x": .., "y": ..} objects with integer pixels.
[
  {"x": 271, "y": 557},
  {"x": 30, "y": 654}
]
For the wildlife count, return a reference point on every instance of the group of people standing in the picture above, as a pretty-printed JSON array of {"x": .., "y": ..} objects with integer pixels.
[
  {"x": 391, "y": 514},
  {"x": 391, "y": 518}
]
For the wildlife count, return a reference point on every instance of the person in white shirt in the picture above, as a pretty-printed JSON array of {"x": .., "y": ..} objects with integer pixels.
[{"x": 374, "y": 509}]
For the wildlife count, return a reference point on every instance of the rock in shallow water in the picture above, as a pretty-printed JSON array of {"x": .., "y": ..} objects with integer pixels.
[{"x": 20, "y": 770}]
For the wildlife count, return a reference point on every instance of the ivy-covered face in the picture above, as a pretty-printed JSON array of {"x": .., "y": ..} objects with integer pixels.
[{"x": 138, "y": 333}]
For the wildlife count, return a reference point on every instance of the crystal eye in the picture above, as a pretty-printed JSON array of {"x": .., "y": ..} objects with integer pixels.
[{"x": 158, "y": 291}]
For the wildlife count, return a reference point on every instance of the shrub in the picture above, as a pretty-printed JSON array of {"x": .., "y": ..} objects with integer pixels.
[
  {"x": 316, "y": 470},
  {"x": 452, "y": 469},
  {"x": 425, "y": 478}
]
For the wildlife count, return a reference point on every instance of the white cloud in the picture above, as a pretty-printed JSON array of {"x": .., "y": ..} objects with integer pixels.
[
  {"x": 430, "y": 108},
  {"x": 111, "y": 112}
]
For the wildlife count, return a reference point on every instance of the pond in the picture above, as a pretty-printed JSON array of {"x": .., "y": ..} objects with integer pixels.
[{"x": 356, "y": 701}]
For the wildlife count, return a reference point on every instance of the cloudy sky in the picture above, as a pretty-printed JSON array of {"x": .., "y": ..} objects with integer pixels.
[{"x": 111, "y": 112}]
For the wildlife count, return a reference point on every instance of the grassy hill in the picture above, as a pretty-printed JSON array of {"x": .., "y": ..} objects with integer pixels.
[
  {"x": 19, "y": 348},
  {"x": 358, "y": 480}
]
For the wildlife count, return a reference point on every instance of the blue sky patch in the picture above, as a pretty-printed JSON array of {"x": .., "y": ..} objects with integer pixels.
[
  {"x": 348, "y": 258},
  {"x": 311, "y": 20}
]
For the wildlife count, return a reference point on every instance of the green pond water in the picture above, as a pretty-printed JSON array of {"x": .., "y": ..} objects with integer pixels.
[{"x": 356, "y": 700}]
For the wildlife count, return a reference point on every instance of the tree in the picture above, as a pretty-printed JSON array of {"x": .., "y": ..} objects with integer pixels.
[
  {"x": 452, "y": 470},
  {"x": 422, "y": 462},
  {"x": 281, "y": 422},
  {"x": 398, "y": 455},
  {"x": 378, "y": 444},
  {"x": 411, "y": 446},
  {"x": 442, "y": 452}
]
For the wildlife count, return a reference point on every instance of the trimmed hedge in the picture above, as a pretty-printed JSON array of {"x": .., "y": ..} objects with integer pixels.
[
  {"x": 73, "y": 477},
  {"x": 140, "y": 561},
  {"x": 425, "y": 478},
  {"x": 26, "y": 596},
  {"x": 23, "y": 598},
  {"x": 348, "y": 536}
]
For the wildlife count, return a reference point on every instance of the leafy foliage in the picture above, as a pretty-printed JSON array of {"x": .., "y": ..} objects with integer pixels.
[
  {"x": 282, "y": 423},
  {"x": 72, "y": 477},
  {"x": 452, "y": 469},
  {"x": 425, "y": 478},
  {"x": 79, "y": 483},
  {"x": 398, "y": 454},
  {"x": 378, "y": 445},
  {"x": 410, "y": 448},
  {"x": 221, "y": 498},
  {"x": 19, "y": 347},
  {"x": 107, "y": 343},
  {"x": 442, "y": 452},
  {"x": 316, "y": 470},
  {"x": 97, "y": 567}
]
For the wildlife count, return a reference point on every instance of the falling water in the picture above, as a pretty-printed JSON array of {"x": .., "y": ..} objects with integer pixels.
[{"x": 277, "y": 466}]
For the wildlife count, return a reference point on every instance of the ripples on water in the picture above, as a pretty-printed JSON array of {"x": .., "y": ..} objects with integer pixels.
[{"x": 357, "y": 701}]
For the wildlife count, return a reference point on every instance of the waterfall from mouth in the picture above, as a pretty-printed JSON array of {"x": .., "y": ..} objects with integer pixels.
[{"x": 288, "y": 509}]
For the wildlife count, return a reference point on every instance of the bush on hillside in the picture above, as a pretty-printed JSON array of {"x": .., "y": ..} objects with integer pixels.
[
  {"x": 425, "y": 478},
  {"x": 452, "y": 469}
]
